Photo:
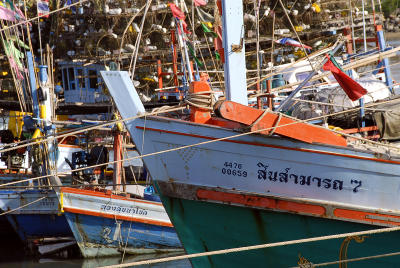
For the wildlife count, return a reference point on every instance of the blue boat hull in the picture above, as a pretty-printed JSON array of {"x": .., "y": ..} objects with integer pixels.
[
  {"x": 100, "y": 236},
  {"x": 30, "y": 226},
  {"x": 40, "y": 219}
]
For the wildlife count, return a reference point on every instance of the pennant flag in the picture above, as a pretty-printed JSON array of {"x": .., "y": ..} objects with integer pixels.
[
  {"x": 207, "y": 30},
  {"x": 217, "y": 56},
  {"x": 291, "y": 42},
  {"x": 19, "y": 41},
  {"x": 43, "y": 8},
  {"x": 191, "y": 50},
  {"x": 176, "y": 12},
  {"x": 200, "y": 3},
  {"x": 10, "y": 3},
  {"x": 7, "y": 14},
  {"x": 353, "y": 89}
]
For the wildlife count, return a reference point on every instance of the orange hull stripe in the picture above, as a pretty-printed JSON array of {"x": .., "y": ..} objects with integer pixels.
[
  {"x": 104, "y": 195},
  {"x": 117, "y": 217},
  {"x": 262, "y": 202},
  {"x": 366, "y": 216},
  {"x": 272, "y": 146}
]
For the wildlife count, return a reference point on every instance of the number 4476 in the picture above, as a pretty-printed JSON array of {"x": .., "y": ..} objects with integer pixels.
[{"x": 233, "y": 165}]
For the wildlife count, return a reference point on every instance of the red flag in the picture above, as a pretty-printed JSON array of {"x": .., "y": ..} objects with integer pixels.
[
  {"x": 200, "y": 3},
  {"x": 353, "y": 89},
  {"x": 184, "y": 26},
  {"x": 176, "y": 12}
]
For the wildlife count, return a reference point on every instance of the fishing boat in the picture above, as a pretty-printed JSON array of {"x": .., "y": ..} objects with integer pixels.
[
  {"x": 106, "y": 224},
  {"x": 279, "y": 180},
  {"x": 121, "y": 219}
]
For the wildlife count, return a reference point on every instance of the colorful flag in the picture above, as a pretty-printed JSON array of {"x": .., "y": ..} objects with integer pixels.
[
  {"x": 7, "y": 14},
  {"x": 207, "y": 30},
  {"x": 353, "y": 89},
  {"x": 43, "y": 8},
  {"x": 291, "y": 42},
  {"x": 191, "y": 50},
  {"x": 176, "y": 12}
]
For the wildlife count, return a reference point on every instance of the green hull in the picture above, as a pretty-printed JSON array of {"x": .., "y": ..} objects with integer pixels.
[{"x": 203, "y": 226}]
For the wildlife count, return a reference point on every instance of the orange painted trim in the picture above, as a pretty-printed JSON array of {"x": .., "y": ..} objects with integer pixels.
[
  {"x": 117, "y": 217},
  {"x": 262, "y": 202},
  {"x": 363, "y": 216},
  {"x": 271, "y": 146},
  {"x": 104, "y": 195},
  {"x": 357, "y": 130}
]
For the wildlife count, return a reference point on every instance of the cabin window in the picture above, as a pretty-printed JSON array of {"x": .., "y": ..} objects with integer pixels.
[
  {"x": 81, "y": 78},
  {"x": 71, "y": 78},
  {"x": 65, "y": 79},
  {"x": 92, "y": 79}
]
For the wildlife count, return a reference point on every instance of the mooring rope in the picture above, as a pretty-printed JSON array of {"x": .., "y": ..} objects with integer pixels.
[
  {"x": 261, "y": 246},
  {"x": 200, "y": 100},
  {"x": 352, "y": 260}
]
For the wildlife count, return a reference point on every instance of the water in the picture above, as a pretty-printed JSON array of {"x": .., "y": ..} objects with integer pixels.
[
  {"x": 91, "y": 263},
  {"x": 88, "y": 263}
]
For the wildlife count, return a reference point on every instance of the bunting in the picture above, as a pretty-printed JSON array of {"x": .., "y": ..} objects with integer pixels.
[
  {"x": 291, "y": 42},
  {"x": 179, "y": 14},
  {"x": 191, "y": 50},
  {"x": 208, "y": 30},
  {"x": 7, "y": 14},
  {"x": 43, "y": 8},
  {"x": 176, "y": 11}
]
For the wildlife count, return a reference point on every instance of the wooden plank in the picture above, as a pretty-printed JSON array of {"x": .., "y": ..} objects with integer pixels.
[{"x": 284, "y": 126}]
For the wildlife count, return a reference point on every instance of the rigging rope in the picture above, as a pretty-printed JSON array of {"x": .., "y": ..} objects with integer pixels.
[
  {"x": 261, "y": 246},
  {"x": 198, "y": 144}
]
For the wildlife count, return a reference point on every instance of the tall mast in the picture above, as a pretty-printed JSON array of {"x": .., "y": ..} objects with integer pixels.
[{"x": 233, "y": 43}]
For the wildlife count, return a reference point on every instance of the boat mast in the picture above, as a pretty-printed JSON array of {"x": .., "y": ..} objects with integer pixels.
[{"x": 234, "y": 56}]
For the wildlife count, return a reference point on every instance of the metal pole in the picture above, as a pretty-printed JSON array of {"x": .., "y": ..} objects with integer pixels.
[
  {"x": 187, "y": 60},
  {"x": 352, "y": 28},
  {"x": 364, "y": 30},
  {"x": 234, "y": 51},
  {"x": 302, "y": 84}
]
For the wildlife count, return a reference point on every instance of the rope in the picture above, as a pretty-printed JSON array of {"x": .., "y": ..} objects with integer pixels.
[
  {"x": 298, "y": 38},
  {"x": 200, "y": 100},
  {"x": 138, "y": 38},
  {"x": 353, "y": 260},
  {"x": 126, "y": 29},
  {"x": 30, "y": 203},
  {"x": 54, "y": 136},
  {"x": 261, "y": 246},
  {"x": 276, "y": 125},
  {"x": 207, "y": 142},
  {"x": 259, "y": 118},
  {"x": 336, "y": 105}
]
